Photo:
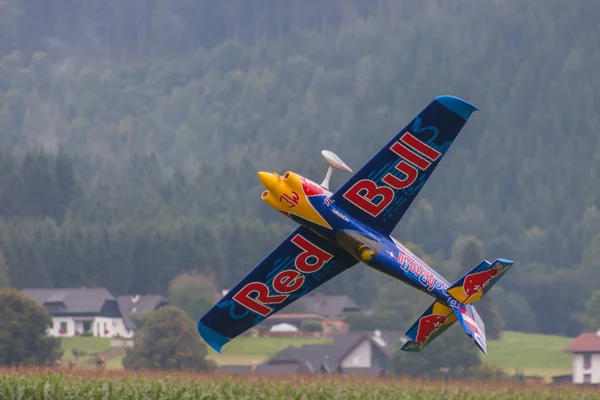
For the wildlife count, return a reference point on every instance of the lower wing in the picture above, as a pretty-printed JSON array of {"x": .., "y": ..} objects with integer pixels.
[{"x": 301, "y": 263}]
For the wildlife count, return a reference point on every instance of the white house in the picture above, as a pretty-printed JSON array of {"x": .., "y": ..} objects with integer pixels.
[
  {"x": 78, "y": 310},
  {"x": 586, "y": 358},
  {"x": 284, "y": 328}
]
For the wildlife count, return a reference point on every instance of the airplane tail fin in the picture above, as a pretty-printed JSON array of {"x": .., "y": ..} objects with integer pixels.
[
  {"x": 472, "y": 324},
  {"x": 439, "y": 316}
]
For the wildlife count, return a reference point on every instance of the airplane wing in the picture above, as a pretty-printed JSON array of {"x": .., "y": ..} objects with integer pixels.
[
  {"x": 302, "y": 262},
  {"x": 380, "y": 192}
]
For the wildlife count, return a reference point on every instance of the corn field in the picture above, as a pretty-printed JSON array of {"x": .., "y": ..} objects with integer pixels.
[{"x": 32, "y": 384}]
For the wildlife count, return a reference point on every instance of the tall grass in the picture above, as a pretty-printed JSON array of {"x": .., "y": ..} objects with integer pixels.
[{"x": 108, "y": 385}]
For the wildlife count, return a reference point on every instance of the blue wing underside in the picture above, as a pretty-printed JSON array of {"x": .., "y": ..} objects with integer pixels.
[
  {"x": 437, "y": 126},
  {"x": 228, "y": 319}
]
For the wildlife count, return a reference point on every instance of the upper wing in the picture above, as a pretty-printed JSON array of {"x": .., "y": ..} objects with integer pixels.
[
  {"x": 302, "y": 262},
  {"x": 380, "y": 192}
]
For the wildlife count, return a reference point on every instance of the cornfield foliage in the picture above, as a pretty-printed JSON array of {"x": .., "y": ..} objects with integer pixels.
[{"x": 32, "y": 384}]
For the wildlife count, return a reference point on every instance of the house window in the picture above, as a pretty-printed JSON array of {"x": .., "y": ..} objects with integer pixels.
[
  {"x": 587, "y": 361},
  {"x": 587, "y": 378},
  {"x": 62, "y": 327}
]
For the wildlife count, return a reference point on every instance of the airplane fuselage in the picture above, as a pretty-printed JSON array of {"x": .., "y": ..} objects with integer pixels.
[{"x": 309, "y": 204}]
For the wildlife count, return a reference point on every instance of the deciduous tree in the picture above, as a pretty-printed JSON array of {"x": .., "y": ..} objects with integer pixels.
[
  {"x": 168, "y": 340},
  {"x": 23, "y": 337}
]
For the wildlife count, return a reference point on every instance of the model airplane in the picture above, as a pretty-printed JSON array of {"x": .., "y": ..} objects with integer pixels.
[{"x": 338, "y": 230}]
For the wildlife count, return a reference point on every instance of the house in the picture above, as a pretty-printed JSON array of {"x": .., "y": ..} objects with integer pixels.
[
  {"x": 356, "y": 353},
  {"x": 75, "y": 311},
  {"x": 319, "y": 307},
  {"x": 586, "y": 358},
  {"x": 328, "y": 306},
  {"x": 329, "y": 326},
  {"x": 132, "y": 306}
]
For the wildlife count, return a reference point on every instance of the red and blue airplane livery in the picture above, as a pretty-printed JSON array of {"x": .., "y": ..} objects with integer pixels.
[{"x": 338, "y": 230}]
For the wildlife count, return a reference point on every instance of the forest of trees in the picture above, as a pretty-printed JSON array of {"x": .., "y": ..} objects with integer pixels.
[{"x": 131, "y": 133}]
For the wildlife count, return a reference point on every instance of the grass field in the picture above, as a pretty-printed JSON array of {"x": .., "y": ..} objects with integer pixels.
[
  {"x": 113, "y": 385},
  {"x": 532, "y": 354},
  {"x": 89, "y": 344},
  {"x": 245, "y": 350},
  {"x": 539, "y": 355}
]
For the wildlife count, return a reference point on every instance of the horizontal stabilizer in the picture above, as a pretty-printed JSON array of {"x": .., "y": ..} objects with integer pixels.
[
  {"x": 432, "y": 323},
  {"x": 477, "y": 282}
]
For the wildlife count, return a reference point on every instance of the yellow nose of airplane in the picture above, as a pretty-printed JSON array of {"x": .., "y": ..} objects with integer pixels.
[{"x": 269, "y": 180}]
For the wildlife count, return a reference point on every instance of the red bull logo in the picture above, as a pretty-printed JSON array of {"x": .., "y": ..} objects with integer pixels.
[
  {"x": 476, "y": 282},
  {"x": 309, "y": 188},
  {"x": 429, "y": 324},
  {"x": 415, "y": 155},
  {"x": 256, "y": 296}
]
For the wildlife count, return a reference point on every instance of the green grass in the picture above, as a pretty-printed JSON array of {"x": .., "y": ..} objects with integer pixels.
[
  {"x": 119, "y": 385},
  {"x": 245, "y": 350},
  {"x": 241, "y": 351},
  {"x": 88, "y": 344},
  {"x": 115, "y": 363},
  {"x": 530, "y": 353}
]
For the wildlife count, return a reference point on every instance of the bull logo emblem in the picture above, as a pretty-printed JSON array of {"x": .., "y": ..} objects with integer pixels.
[{"x": 290, "y": 200}]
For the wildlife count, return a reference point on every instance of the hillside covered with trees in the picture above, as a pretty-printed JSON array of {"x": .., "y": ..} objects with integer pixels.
[{"x": 131, "y": 133}]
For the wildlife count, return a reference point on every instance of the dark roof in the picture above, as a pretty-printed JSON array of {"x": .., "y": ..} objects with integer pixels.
[
  {"x": 308, "y": 357},
  {"x": 313, "y": 357},
  {"x": 387, "y": 341},
  {"x": 585, "y": 343},
  {"x": 71, "y": 300},
  {"x": 330, "y": 356},
  {"x": 135, "y": 305},
  {"x": 328, "y": 306},
  {"x": 344, "y": 344}
]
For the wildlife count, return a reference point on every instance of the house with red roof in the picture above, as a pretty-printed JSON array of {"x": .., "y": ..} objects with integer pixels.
[{"x": 586, "y": 358}]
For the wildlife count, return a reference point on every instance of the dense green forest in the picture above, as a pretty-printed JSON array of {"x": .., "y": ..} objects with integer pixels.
[{"x": 131, "y": 133}]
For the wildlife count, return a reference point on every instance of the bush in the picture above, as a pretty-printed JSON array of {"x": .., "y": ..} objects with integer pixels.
[
  {"x": 312, "y": 326},
  {"x": 168, "y": 340}
]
